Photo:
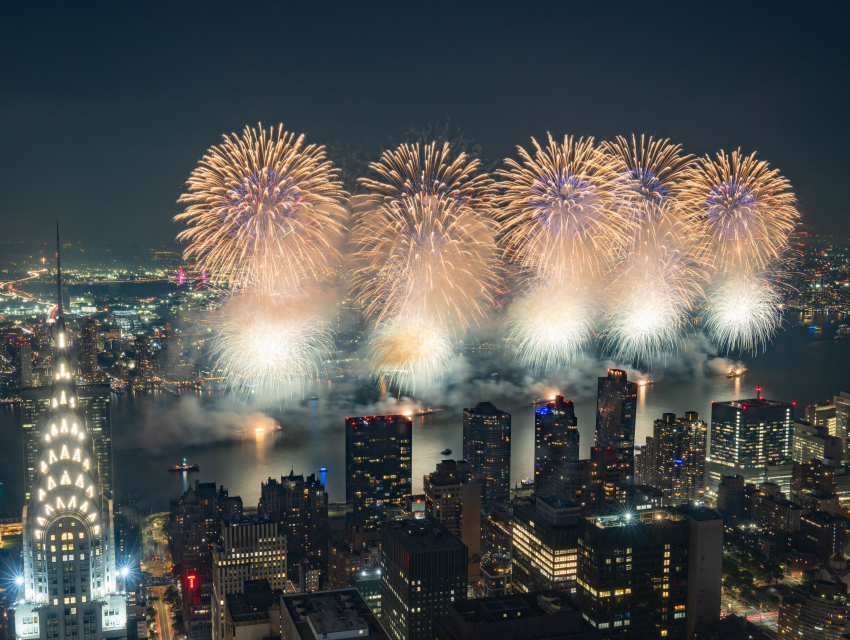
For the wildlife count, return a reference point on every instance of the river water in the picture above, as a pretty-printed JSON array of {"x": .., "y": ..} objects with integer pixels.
[{"x": 154, "y": 431}]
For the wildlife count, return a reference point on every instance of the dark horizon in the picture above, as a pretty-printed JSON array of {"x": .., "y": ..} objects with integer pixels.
[{"x": 107, "y": 108}]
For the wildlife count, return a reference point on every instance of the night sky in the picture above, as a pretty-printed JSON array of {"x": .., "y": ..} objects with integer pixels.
[{"x": 106, "y": 108}]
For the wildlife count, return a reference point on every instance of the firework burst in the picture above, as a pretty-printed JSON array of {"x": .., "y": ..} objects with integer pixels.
[
  {"x": 743, "y": 313},
  {"x": 549, "y": 327},
  {"x": 271, "y": 346},
  {"x": 557, "y": 218},
  {"x": 263, "y": 211},
  {"x": 411, "y": 354},
  {"x": 743, "y": 210},
  {"x": 425, "y": 238}
]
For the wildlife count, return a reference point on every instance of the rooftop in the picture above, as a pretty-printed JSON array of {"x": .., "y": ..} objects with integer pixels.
[
  {"x": 423, "y": 534},
  {"x": 755, "y": 403},
  {"x": 340, "y": 613}
]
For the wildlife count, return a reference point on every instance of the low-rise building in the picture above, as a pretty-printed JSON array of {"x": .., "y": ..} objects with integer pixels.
[{"x": 339, "y": 613}]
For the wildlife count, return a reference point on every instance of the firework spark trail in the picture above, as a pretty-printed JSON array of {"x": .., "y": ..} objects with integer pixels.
[
  {"x": 744, "y": 313},
  {"x": 655, "y": 286},
  {"x": 263, "y": 211},
  {"x": 410, "y": 353},
  {"x": 744, "y": 211},
  {"x": 426, "y": 255},
  {"x": 425, "y": 238},
  {"x": 550, "y": 326},
  {"x": 557, "y": 218},
  {"x": 271, "y": 346}
]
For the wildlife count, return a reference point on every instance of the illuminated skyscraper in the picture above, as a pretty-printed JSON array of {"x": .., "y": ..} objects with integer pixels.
[
  {"x": 750, "y": 438},
  {"x": 69, "y": 573},
  {"x": 95, "y": 411},
  {"x": 88, "y": 348},
  {"x": 23, "y": 363},
  {"x": 144, "y": 359},
  {"x": 616, "y": 404},
  {"x": 487, "y": 447},
  {"x": 675, "y": 458},
  {"x": 378, "y": 467},
  {"x": 556, "y": 441}
]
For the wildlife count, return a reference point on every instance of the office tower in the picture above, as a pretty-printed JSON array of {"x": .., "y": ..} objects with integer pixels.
[
  {"x": 823, "y": 534},
  {"x": 542, "y": 615},
  {"x": 341, "y": 613},
  {"x": 813, "y": 486},
  {"x": 88, "y": 348},
  {"x": 23, "y": 363},
  {"x": 68, "y": 523},
  {"x": 496, "y": 537},
  {"x": 358, "y": 553},
  {"x": 487, "y": 447},
  {"x": 128, "y": 541},
  {"x": 454, "y": 499},
  {"x": 842, "y": 427},
  {"x": 772, "y": 511},
  {"x": 675, "y": 458},
  {"x": 556, "y": 440},
  {"x": 301, "y": 505},
  {"x": 496, "y": 579},
  {"x": 95, "y": 411},
  {"x": 424, "y": 570},
  {"x": 377, "y": 466},
  {"x": 252, "y": 613},
  {"x": 545, "y": 545},
  {"x": 650, "y": 573},
  {"x": 248, "y": 548},
  {"x": 598, "y": 485},
  {"x": 817, "y": 610},
  {"x": 730, "y": 496},
  {"x": 811, "y": 441},
  {"x": 368, "y": 583},
  {"x": 144, "y": 359},
  {"x": 749, "y": 438},
  {"x": 616, "y": 403}
]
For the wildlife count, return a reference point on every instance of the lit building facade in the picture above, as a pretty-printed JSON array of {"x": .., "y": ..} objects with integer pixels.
[
  {"x": 69, "y": 572},
  {"x": 675, "y": 458},
  {"x": 300, "y": 504},
  {"x": 650, "y": 574},
  {"x": 454, "y": 499},
  {"x": 556, "y": 440},
  {"x": 820, "y": 610},
  {"x": 616, "y": 405},
  {"x": 424, "y": 570},
  {"x": 88, "y": 349},
  {"x": 487, "y": 447},
  {"x": 749, "y": 438},
  {"x": 248, "y": 548},
  {"x": 94, "y": 409},
  {"x": 378, "y": 467},
  {"x": 545, "y": 539}
]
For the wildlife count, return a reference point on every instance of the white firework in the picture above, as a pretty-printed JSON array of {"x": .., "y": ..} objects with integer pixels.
[
  {"x": 548, "y": 328},
  {"x": 410, "y": 353},
  {"x": 744, "y": 313}
]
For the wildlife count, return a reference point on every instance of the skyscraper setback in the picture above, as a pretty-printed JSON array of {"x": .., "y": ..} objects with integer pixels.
[
  {"x": 377, "y": 466},
  {"x": 68, "y": 523},
  {"x": 556, "y": 441},
  {"x": 487, "y": 447}
]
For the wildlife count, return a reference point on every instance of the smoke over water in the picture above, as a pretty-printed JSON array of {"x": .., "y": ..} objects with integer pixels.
[{"x": 189, "y": 421}]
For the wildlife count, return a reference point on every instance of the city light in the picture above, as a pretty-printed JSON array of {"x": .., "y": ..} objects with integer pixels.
[{"x": 19, "y": 580}]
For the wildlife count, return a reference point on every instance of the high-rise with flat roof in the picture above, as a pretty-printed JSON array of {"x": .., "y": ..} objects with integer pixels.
[
  {"x": 454, "y": 499},
  {"x": 749, "y": 437},
  {"x": 487, "y": 447},
  {"x": 248, "y": 548},
  {"x": 424, "y": 570},
  {"x": 648, "y": 574},
  {"x": 88, "y": 348},
  {"x": 556, "y": 441},
  {"x": 545, "y": 540},
  {"x": 378, "y": 467},
  {"x": 616, "y": 405}
]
